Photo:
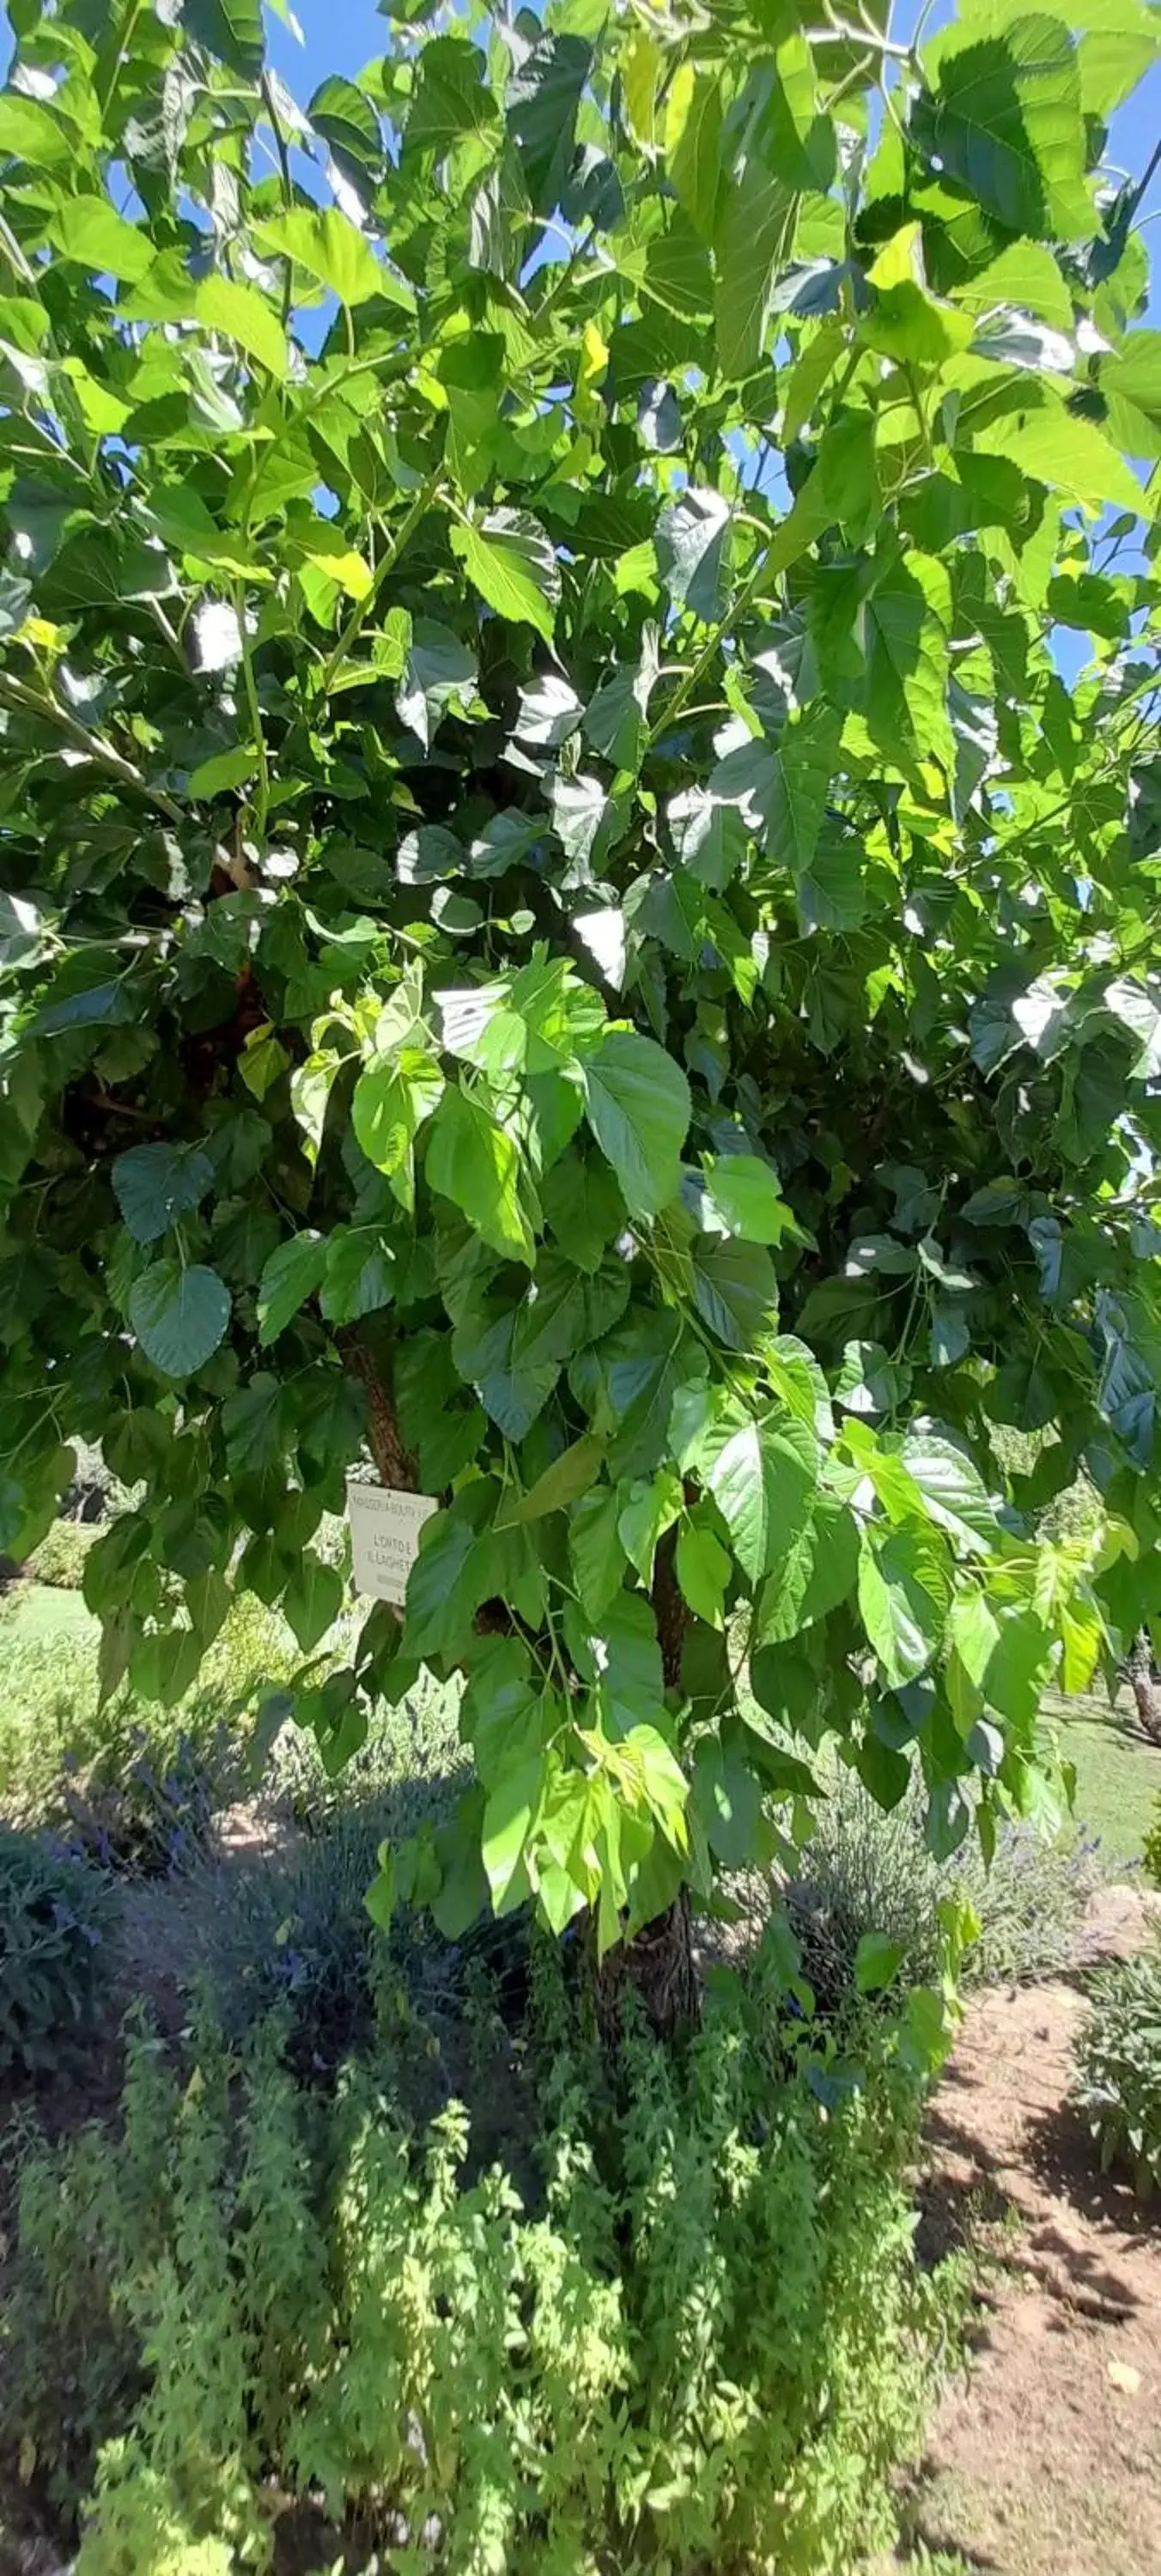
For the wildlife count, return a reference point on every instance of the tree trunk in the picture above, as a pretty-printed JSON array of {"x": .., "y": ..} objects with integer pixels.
[
  {"x": 1145, "y": 1690},
  {"x": 660, "y": 1965},
  {"x": 395, "y": 1464}
]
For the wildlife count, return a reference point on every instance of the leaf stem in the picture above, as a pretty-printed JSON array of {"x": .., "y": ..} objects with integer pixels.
[
  {"x": 682, "y": 695},
  {"x": 262, "y": 795},
  {"x": 1153, "y": 163},
  {"x": 837, "y": 33},
  {"x": 120, "y": 51},
  {"x": 386, "y": 564},
  {"x": 287, "y": 187},
  {"x": 16, "y": 258}
]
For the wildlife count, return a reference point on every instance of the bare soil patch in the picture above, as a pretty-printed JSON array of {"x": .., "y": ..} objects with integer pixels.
[{"x": 1045, "y": 2460}]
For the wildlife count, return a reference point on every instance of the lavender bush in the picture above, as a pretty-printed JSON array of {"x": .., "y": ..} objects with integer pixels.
[{"x": 863, "y": 1871}]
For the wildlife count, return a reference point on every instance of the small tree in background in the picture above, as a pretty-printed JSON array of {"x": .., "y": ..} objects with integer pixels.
[{"x": 562, "y": 923}]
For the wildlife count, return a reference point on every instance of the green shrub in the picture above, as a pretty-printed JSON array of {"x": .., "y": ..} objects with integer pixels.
[
  {"x": 1119, "y": 2062},
  {"x": 411, "y": 1754},
  {"x": 60, "y": 1558},
  {"x": 1151, "y": 1848},
  {"x": 54, "y": 1915},
  {"x": 867, "y": 1871},
  {"x": 707, "y": 2344},
  {"x": 296, "y": 1931}
]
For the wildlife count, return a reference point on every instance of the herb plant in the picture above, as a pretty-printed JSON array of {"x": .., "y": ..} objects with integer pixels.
[{"x": 1119, "y": 2059}]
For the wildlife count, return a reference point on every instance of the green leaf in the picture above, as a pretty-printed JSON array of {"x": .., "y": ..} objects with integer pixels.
[
  {"x": 253, "y": 1423},
  {"x": 691, "y": 546},
  {"x": 743, "y": 1194},
  {"x": 953, "y": 1490},
  {"x": 457, "y": 1567},
  {"x": 598, "y": 1559},
  {"x": 360, "y": 1274},
  {"x": 761, "y": 1469},
  {"x": 290, "y": 1276},
  {"x": 1005, "y": 121},
  {"x": 440, "y": 674},
  {"x": 390, "y": 1101},
  {"x": 803, "y": 765},
  {"x": 450, "y": 97},
  {"x": 904, "y": 1592},
  {"x": 89, "y": 232},
  {"x": 734, "y": 1290},
  {"x": 638, "y": 1106},
  {"x": 907, "y": 659},
  {"x": 728, "y": 1798},
  {"x": 878, "y": 1960},
  {"x": 584, "y": 1209},
  {"x": 1057, "y": 447},
  {"x": 703, "y": 1570},
  {"x": 799, "y": 143},
  {"x": 927, "y": 2032},
  {"x": 475, "y": 1163},
  {"x": 1025, "y": 275},
  {"x": 312, "y": 1600},
  {"x": 243, "y": 315},
  {"x": 223, "y": 771},
  {"x": 514, "y": 567},
  {"x": 564, "y": 1481},
  {"x": 330, "y": 250},
  {"x": 231, "y": 29},
  {"x": 157, "y": 1183},
  {"x": 543, "y": 95},
  {"x": 752, "y": 244},
  {"x": 345, "y": 118},
  {"x": 179, "y": 1316},
  {"x": 508, "y": 1817},
  {"x": 30, "y": 132},
  {"x": 652, "y": 1506},
  {"x": 817, "y": 1572},
  {"x": 693, "y": 144},
  {"x": 972, "y": 1635}
]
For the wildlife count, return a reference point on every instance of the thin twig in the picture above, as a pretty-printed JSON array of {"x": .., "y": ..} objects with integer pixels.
[
  {"x": 287, "y": 187},
  {"x": 363, "y": 607},
  {"x": 1153, "y": 163},
  {"x": 262, "y": 796}
]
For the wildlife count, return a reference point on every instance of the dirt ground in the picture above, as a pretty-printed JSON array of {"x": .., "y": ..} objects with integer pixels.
[{"x": 1046, "y": 2459}]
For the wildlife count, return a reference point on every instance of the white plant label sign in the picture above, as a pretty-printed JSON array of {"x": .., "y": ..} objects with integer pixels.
[{"x": 385, "y": 1528}]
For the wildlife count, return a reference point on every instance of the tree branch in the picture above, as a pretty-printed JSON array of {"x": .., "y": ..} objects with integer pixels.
[{"x": 14, "y": 693}]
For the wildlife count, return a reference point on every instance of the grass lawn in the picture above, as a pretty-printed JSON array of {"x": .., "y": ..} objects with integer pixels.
[
  {"x": 40, "y": 1610},
  {"x": 1118, "y": 1774}
]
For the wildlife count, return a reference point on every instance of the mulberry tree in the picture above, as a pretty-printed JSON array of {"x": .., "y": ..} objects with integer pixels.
[{"x": 579, "y": 841}]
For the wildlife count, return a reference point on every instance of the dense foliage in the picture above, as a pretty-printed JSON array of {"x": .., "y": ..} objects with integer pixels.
[
  {"x": 1119, "y": 2058},
  {"x": 560, "y": 919},
  {"x": 708, "y": 2345}
]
